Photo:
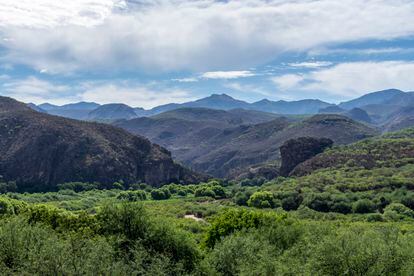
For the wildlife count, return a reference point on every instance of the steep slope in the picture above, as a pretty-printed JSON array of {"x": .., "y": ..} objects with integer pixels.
[
  {"x": 400, "y": 119},
  {"x": 112, "y": 112},
  {"x": 39, "y": 151}
]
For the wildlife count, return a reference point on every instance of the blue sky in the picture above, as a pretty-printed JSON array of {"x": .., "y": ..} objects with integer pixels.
[{"x": 151, "y": 52}]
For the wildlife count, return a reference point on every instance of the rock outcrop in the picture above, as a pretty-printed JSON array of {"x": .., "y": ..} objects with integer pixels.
[
  {"x": 39, "y": 151},
  {"x": 295, "y": 151}
]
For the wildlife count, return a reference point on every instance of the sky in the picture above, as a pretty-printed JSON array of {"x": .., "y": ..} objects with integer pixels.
[{"x": 150, "y": 52}]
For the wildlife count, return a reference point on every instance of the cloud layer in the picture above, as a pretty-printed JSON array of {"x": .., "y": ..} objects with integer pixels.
[
  {"x": 199, "y": 35},
  {"x": 347, "y": 80}
]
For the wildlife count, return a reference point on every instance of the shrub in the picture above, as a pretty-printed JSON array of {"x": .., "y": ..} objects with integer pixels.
[
  {"x": 237, "y": 219},
  {"x": 408, "y": 201},
  {"x": 261, "y": 200},
  {"x": 205, "y": 191},
  {"x": 241, "y": 198},
  {"x": 160, "y": 194},
  {"x": 363, "y": 206},
  {"x": 398, "y": 211},
  {"x": 132, "y": 195}
]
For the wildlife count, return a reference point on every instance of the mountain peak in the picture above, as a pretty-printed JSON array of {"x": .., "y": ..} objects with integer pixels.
[{"x": 221, "y": 96}]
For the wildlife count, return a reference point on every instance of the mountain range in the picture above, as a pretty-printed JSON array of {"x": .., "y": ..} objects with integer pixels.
[
  {"x": 225, "y": 137},
  {"x": 115, "y": 111},
  {"x": 387, "y": 109}
]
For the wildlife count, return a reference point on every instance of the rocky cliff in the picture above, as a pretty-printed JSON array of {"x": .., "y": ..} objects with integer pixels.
[{"x": 39, "y": 151}]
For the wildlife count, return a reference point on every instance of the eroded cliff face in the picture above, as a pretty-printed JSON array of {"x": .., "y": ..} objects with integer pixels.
[
  {"x": 295, "y": 151},
  {"x": 40, "y": 151}
]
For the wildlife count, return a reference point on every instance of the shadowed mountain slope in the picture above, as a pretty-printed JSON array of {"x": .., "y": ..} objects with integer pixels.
[{"x": 39, "y": 151}]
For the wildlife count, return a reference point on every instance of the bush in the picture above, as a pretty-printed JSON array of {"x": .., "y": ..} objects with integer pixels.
[
  {"x": 237, "y": 219},
  {"x": 408, "y": 201},
  {"x": 8, "y": 187},
  {"x": 204, "y": 191},
  {"x": 363, "y": 206},
  {"x": 241, "y": 198},
  {"x": 132, "y": 195},
  {"x": 160, "y": 194},
  {"x": 261, "y": 200},
  {"x": 398, "y": 211}
]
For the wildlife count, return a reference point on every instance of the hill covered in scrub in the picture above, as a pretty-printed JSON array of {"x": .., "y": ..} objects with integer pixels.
[
  {"x": 227, "y": 143},
  {"x": 39, "y": 151},
  {"x": 373, "y": 176}
]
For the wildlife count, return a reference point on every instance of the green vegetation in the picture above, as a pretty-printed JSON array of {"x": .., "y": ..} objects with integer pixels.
[{"x": 344, "y": 218}]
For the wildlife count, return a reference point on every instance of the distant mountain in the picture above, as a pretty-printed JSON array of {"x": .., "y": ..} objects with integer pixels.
[
  {"x": 39, "y": 151},
  {"x": 186, "y": 128},
  {"x": 224, "y": 143},
  {"x": 48, "y": 106},
  {"x": 77, "y": 111},
  {"x": 294, "y": 107},
  {"x": 332, "y": 109},
  {"x": 80, "y": 106},
  {"x": 35, "y": 107},
  {"x": 112, "y": 112},
  {"x": 373, "y": 108},
  {"x": 356, "y": 114},
  {"x": 215, "y": 101},
  {"x": 225, "y": 102},
  {"x": 400, "y": 119},
  {"x": 380, "y": 97}
]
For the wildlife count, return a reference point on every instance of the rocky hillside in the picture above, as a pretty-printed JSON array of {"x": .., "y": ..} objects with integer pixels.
[
  {"x": 38, "y": 151},
  {"x": 225, "y": 145},
  {"x": 390, "y": 150}
]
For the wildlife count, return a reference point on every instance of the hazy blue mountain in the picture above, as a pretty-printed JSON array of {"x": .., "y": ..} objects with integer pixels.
[
  {"x": 48, "y": 106},
  {"x": 308, "y": 106},
  {"x": 380, "y": 97},
  {"x": 35, "y": 107},
  {"x": 112, "y": 112},
  {"x": 80, "y": 106},
  {"x": 215, "y": 101},
  {"x": 333, "y": 109}
]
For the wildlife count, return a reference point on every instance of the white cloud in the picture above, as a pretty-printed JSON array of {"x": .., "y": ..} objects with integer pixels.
[
  {"x": 50, "y": 13},
  {"x": 311, "y": 64},
  {"x": 353, "y": 79},
  {"x": 199, "y": 35},
  {"x": 32, "y": 89},
  {"x": 287, "y": 81},
  {"x": 363, "y": 51},
  {"x": 247, "y": 88},
  {"x": 136, "y": 96},
  {"x": 186, "y": 80},
  {"x": 38, "y": 91},
  {"x": 227, "y": 74}
]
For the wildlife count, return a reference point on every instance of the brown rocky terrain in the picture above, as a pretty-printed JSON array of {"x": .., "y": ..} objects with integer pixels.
[{"x": 39, "y": 151}]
